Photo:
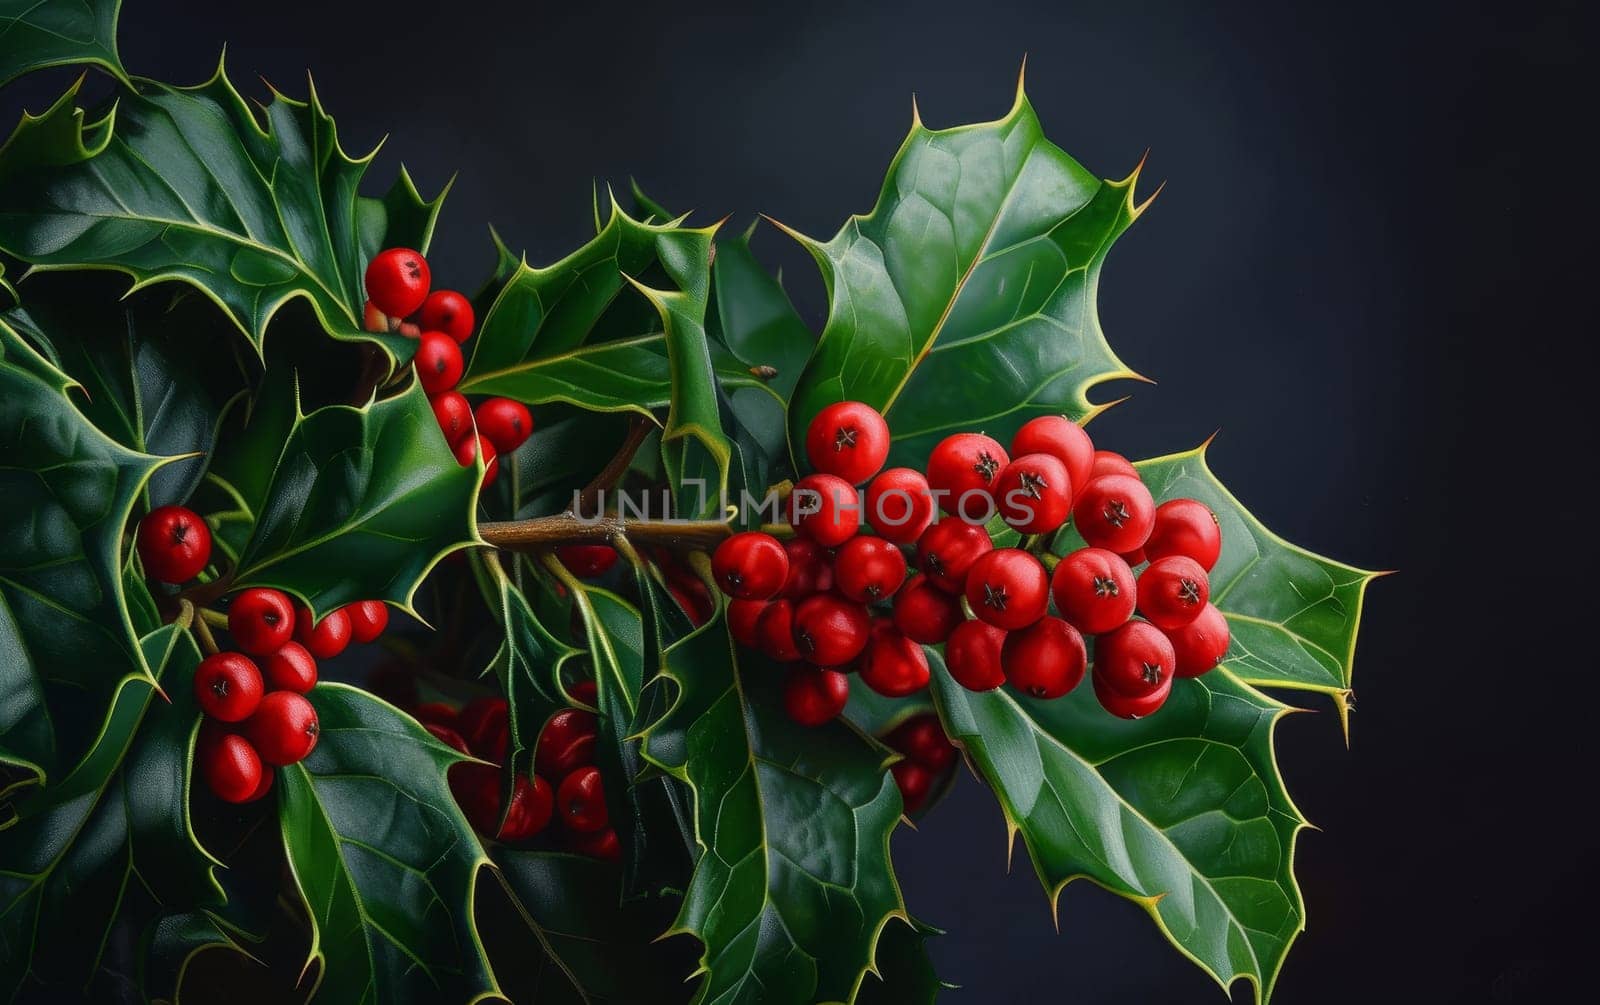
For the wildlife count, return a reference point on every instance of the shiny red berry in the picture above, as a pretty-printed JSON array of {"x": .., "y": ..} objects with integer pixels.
[
  {"x": 914, "y": 782},
  {"x": 449, "y": 312},
  {"x": 810, "y": 569},
  {"x": 848, "y": 439},
  {"x": 826, "y": 509},
  {"x": 283, "y": 728},
  {"x": 899, "y": 505},
  {"x": 398, "y": 281},
  {"x": 174, "y": 544},
  {"x": 814, "y": 695},
  {"x": 449, "y": 737},
  {"x": 775, "y": 632},
  {"x": 1046, "y": 660},
  {"x": 506, "y": 423},
  {"x": 232, "y": 768},
  {"x": 228, "y": 686},
  {"x": 368, "y": 619},
  {"x": 1124, "y": 707},
  {"x": 476, "y": 788},
  {"x": 585, "y": 692},
  {"x": 1062, "y": 439},
  {"x": 972, "y": 655},
  {"x": 467, "y": 455},
  {"x": 290, "y": 668},
  {"x": 566, "y": 743},
  {"x": 1115, "y": 512},
  {"x": 1094, "y": 590},
  {"x": 1109, "y": 462},
  {"x": 893, "y": 665},
  {"x": 947, "y": 551},
  {"x": 1135, "y": 660},
  {"x": 926, "y": 613},
  {"x": 750, "y": 566},
  {"x": 1185, "y": 527},
  {"x": 1134, "y": 558},
  {"x": 869, "y": 569},
  {"x": 436, "y": 711},
  {"x": 1201, "y": 644},
  {"x": 961, "y": 472},
  {"x": 582, "y": 798},
  {"x": 743, "y": 616},
  {"x": 1008, "y": 588},
  {"x": 438, "y": 362},
  {"x": 1034, "y": 494},
  {"x": 532, "y": 805},
  {"x": 602, "y": 844},
  {"x": 587, "y": 561},
  {"x": 922, "y": 739},
  {"x": 1173, "y": 591},
  {"x": 453, "y": 414},
  {"x": 265, "y": 785},
  {"x": 830, "y": 631},
  {"x": 324, "y": 639},
  {"x": 481, "y": 719},
  {"x": 261, "y": 620}
]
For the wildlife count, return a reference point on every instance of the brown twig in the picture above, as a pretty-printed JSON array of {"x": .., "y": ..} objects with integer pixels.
[
  {"x": 566, "y": 528},
  {"x": 615, "y": 468}
]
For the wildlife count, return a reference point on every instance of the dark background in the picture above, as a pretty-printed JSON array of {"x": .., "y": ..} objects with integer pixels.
[{"x": 1365, "y": 270}]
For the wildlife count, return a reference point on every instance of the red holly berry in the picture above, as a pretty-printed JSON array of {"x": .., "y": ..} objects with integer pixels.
[
  {"x": 587, "y": 561},
  {"x": 284, "y": 728},
  {"x": 899, "y": 505},
  {"x": 232, "y": 768},
  {"x": 477, "y": 791},
  {"x": 893, "y": 665},
  {"x": 1201, "y": 644},
  {"x": 1109, "y": 462},
  {"x": 602, "y": 844},
  {"x": 586, "y": 692},
  {"x": 1124, "y": 707},
  {"x": 693, "y": 599},
  {"x": 972, "y": 655},
  {"x": 566, "y": 743},
  {"x": 480, "y": 716},
  {"x": 810, "y": 569},
  {"x": 506, "y": 423},
  {"x": 742, "y": 618},
  {"x": 290, "y": 668},
  {"x": 825, "y": 508},
  {"x": 1134, "y": 558},
  {"x": 326, "y": 638},
  {"x": 1115, "y": 512},
  {"x": 436, "y": 711},
  {"x": 261, "y": 620},
  {"x": 582, "y": 798},
  {"x": 750, "y": 566},
  {"x": 368, "y": 619},
  {"x": 1046, "y": 660},
  {"x": 449, "y": 312},
  {"x": 438, "y": 362},
  {"x": 1094, "y": 590},
  {"x": 848, "y": 439},
  {"x": 947, "y": 550},
  {"x": 1135, "y": 660},
  {"x": 813, "y": 695},
  {"x": 398, "y": 281},
  {"x": 869, "y": 569},
  {"x": 925, "y": 612},
  {"x": 775, "y": 632},
  {"x": 467, "y": 455},
  {"x": 922, "y": 739},
  {"x": 914, "y": 782},
  {"x": 174, "y": 544},
  {"x": 1034, "y": 493},
  {"x": 961, "y": 472},
  {"x": 265, "y": 785},
  {"x": 1173, "y": 591},
  {"x": 1062, "y": 439},
  {"x": 448, "y": 736},
  {"x": 532, "y": 805},
  {"x": 830, "y": 631},
  {"x": 453, "y": 414},
  {"x": 1008, "y": 588},
  {"x": 228, "y": 686},
  {"x": 1185, "y": 527}
]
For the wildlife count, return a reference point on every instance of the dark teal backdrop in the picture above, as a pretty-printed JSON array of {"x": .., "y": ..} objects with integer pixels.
[{"x": 1369, "y": 269}]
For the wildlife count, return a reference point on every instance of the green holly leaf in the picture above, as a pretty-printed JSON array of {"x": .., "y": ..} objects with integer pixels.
[
  {"x": 793, "y": 884},
  {"x": 1293, "y": 615},
  {"x": 382, "y": 857},
  {"x": 401, "y": 218},
  {"x": 753, "y": 316},
  {"x": 572, "y": 446},
  {"x": 1182, "y": 812},
  {"x": 362, "y": 503},
  {"x": 904, "y": 974},
  {"x": 252, "y": 208},
  {"x": 966, "y": 298},
  {"x": 69, "y": 859},
  {"x": 67, "y": 639},
  {"x": 35, "y": 34}
]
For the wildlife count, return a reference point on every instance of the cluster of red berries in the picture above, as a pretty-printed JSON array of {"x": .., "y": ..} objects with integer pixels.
[
  {"x": 565, "y": 751},
  {"x": 399, "y": 299},
  {"x": 833, "y": 599},
  {"x": 257, "y": 715},
  {"x": 927, "y": 755}
]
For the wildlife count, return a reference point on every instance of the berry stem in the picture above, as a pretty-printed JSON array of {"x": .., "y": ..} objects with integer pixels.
[
  {"x": 615, "y": 468},
  {"x": 202, "y": 631},
  {"x": 547, "y": 532}
]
